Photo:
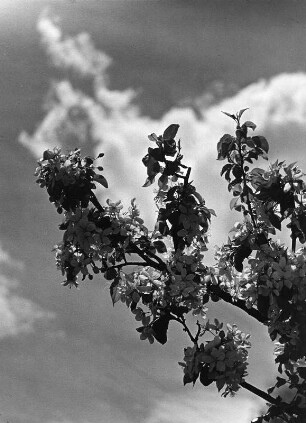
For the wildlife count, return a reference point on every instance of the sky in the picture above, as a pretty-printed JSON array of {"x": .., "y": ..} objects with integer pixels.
[{"x": 102, "y": 75}]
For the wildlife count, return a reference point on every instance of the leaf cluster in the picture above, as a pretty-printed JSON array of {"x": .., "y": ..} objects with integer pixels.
[{"x": 68, "y": 178}]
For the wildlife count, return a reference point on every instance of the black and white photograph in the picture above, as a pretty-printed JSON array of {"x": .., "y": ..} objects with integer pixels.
[{"x": 153, "y": 211}]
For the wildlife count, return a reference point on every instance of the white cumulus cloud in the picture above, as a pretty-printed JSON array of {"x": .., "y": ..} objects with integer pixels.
[
  {"x": 77, "y": 53},
  {"x": 113, "y": 124},
  {"x": 17, "y": 314}
]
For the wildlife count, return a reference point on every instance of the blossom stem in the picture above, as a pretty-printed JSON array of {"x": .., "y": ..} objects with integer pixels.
[
  {"x": 182, "y": 321},
  {"x": 245, "y": 186}
]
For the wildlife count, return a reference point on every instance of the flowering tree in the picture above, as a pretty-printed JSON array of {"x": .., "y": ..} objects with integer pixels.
[{"x": 160, "y": 275}]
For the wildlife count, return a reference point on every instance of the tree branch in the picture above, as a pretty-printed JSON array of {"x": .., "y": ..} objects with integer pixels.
[
  {"x": 187, "y": 176},
  {"x": 259, "y": 392},
  {"x": 96, "y": 203},
  {"x": 128, "y": 263},
  {"x": 225, "y": 296},
  {"x": 158, "y": 264}
]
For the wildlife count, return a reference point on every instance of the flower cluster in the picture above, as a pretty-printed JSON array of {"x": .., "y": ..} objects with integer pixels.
[
  {"x": 95, "y": 241},
  {"x": 186, "y": 283},
  {"x": 68, "y": 178},
  {"x": 222, "y": 360},
  {"x": 184, "y": 216}
]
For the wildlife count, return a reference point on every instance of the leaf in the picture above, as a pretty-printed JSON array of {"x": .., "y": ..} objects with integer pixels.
[
  {"x": 187, "y": 379},
  {"x": 214, "y": 297},
  {"x": 110, "y": 274},
  {"x": 163, "y": 179},
  {"x": 198, "y": 197},
  {"x": 179, "y": 310},
  {"x": 204, "y": 376},
  {"x": 218, "y": 324},
  {"x": 233, "y": 202},
  {"x": 156, "y": 153},
  {"x": 240, "y": 113},
  {"x": 160, "y": 328},
  {"x": 48, "y": 154},
  {"x": 273, "y": 335},
  {"x": 275, "y": 221},
  {"x": 101, "y": 180},
  {"x": 227, "y": 175},
  {"x": 182, "y": 233},
  {"x": 257, "y": 172},
  {"x": 162, "y": 227},
  {"x": 170, "y": 132},
  {"x": 205, "y": 298},
  {"x": 220, "y": 383},
  {"x": 153, "y": 137},
  {"x": 226, "y": 168},
  {"x": 114, "y": 291},
  {"x": 280, "y": 381},
  {"x": 302, "y": 372},
  {"x": 261, "y": 142},
  {"x": 149, "y": 181},
  {"x": 250, "y": 124},
  {"x": 261, "y": 239},
  {"x": 224, "y": 146},
  {"x": 229, "y": 115},
  {"x": 253, "y": 154},
  {"x": 291, "y": 165},
  {"x": 160, "y": 246},
  {"x": 250, "y": 142},
  {"x": 235, "y": 186},
  {"x": 263, "y": 305},
  {"x": 242, "y": 252}
]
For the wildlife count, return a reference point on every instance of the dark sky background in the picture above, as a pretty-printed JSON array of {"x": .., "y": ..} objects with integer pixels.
[{"x": 68, "y": 356}]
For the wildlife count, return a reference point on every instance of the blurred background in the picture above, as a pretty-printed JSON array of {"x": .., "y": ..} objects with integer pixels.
[{"x": 102, "y": 75}]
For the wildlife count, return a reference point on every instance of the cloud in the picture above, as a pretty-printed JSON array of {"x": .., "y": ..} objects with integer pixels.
[
  {"x": 78, "y": 53},
  {"x": 17, "y": 314},
  {"x": 69, "y": 120},
  {"x": 200, "y": 406},
  {"x": 7, "y": 259},
  {"x": 111, "y": 122}
]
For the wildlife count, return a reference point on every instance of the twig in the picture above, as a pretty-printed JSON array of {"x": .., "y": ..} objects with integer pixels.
[
  {"x": 259, "y": 392},
  {"x": 128, "y": 263},
  {"x": 96, "y": 203},
  {"x": 182, "y": 321},
  {"x": 158, "y": 264}
]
